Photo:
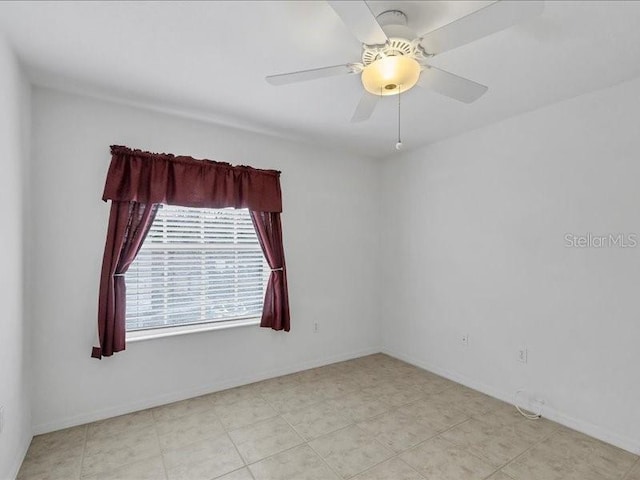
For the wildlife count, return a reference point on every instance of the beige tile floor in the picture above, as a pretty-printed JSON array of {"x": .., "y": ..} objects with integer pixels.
[{"x": 373, "y": 418}]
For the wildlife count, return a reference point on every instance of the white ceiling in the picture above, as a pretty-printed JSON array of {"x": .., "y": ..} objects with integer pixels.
[{"x": 209, "y": 59}]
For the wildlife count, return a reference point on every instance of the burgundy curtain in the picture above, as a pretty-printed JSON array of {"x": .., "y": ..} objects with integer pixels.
[
  {"x": 129, "y": 223},
  {"x": 275, "y": 311},
  {"x": 138, "y": 181}
]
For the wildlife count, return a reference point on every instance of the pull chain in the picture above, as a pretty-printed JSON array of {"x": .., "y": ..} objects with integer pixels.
[{"x": 399, "y": 144}]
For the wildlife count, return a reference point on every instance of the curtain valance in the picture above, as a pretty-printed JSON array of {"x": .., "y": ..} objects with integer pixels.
[{"x": 137, "y": 176}]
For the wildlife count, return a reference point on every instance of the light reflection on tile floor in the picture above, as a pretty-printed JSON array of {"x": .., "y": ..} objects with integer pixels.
[{"x": 373, "y": 418}]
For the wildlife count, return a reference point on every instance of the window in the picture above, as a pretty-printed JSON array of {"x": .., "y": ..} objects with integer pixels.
[{"x": 196, "y": 266}]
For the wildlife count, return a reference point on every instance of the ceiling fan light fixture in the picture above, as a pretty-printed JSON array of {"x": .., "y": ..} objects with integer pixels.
[{"x": 389, "y": 75}]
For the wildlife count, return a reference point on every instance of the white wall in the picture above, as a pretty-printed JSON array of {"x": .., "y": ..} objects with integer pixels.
[
  {"x": 475, "y": 245},
  {"x": 14, "y": 375},
  {"x": 329, "y": 234}
]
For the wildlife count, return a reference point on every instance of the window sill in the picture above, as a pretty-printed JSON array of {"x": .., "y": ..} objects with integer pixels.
[{"x": 142, "y": 335}]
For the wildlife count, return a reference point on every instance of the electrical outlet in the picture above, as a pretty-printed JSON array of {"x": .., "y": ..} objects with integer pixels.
[
  {"x": 465, "y": 340},
  {"x": 522, "y": 355},
  {"x": 316, "y": 327}
]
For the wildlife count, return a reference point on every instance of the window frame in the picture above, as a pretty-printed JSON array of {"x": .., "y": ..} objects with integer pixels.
[{"x": 206, "y": 325}]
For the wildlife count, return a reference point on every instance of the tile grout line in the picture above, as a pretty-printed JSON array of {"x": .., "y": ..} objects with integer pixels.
[
  {"x": 509, "y": 461},
  {"x": 505, "y": 474},
  {"x": 155, "y": 429},
  {"x": 532, "y": 446},
  {"x": 430, "y": 438},
  {"x": 628, "y": 472},
  {"x": 84, "y": 449},
  {"x": 397, "y": 455},
  {"x": 226, "y": 431},
  {"x": 482, "y": 457},
  {"x": 438, "y": 434},
  {"x": 393, "y": 457},
  {"x": 212, "y": 409},
  {"x": 81, "y": 477},
  {"x": 355, "y": 423},
  {"x": 410, "y": 466},
  {"x": 284, "y": 451},
  {"x": 307, "y": 443}
]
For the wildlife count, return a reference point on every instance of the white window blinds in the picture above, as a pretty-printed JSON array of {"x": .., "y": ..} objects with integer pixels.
[{"x": 197, "y": 265}]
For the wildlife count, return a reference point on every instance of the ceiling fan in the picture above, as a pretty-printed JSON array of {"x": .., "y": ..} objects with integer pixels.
[{"x": 395, "y": 59}]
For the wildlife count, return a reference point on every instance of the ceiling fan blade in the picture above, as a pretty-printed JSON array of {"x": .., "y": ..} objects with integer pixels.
[
  {"x": 365, "y": 108},
  {"x": 490, "y": 19},
  {"x": 359, "y": 18},
  {"x": 451, "y": 85},
  {"x": 312, "y": 74}
]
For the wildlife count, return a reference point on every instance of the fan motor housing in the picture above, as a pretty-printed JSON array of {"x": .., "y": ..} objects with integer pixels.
[
  {"x": 396, "y": 46},
  {"x": 394, "y": 24}
]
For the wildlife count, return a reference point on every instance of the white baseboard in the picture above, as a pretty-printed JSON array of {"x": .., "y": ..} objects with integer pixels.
[
  {"x": 15, "y": 468},
  {"x": 629, "y": 444},
  {"x": 134, "y": 406}
]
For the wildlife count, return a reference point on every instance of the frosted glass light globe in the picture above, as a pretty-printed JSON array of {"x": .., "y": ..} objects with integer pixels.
[{"x": 390, "y": 75}]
